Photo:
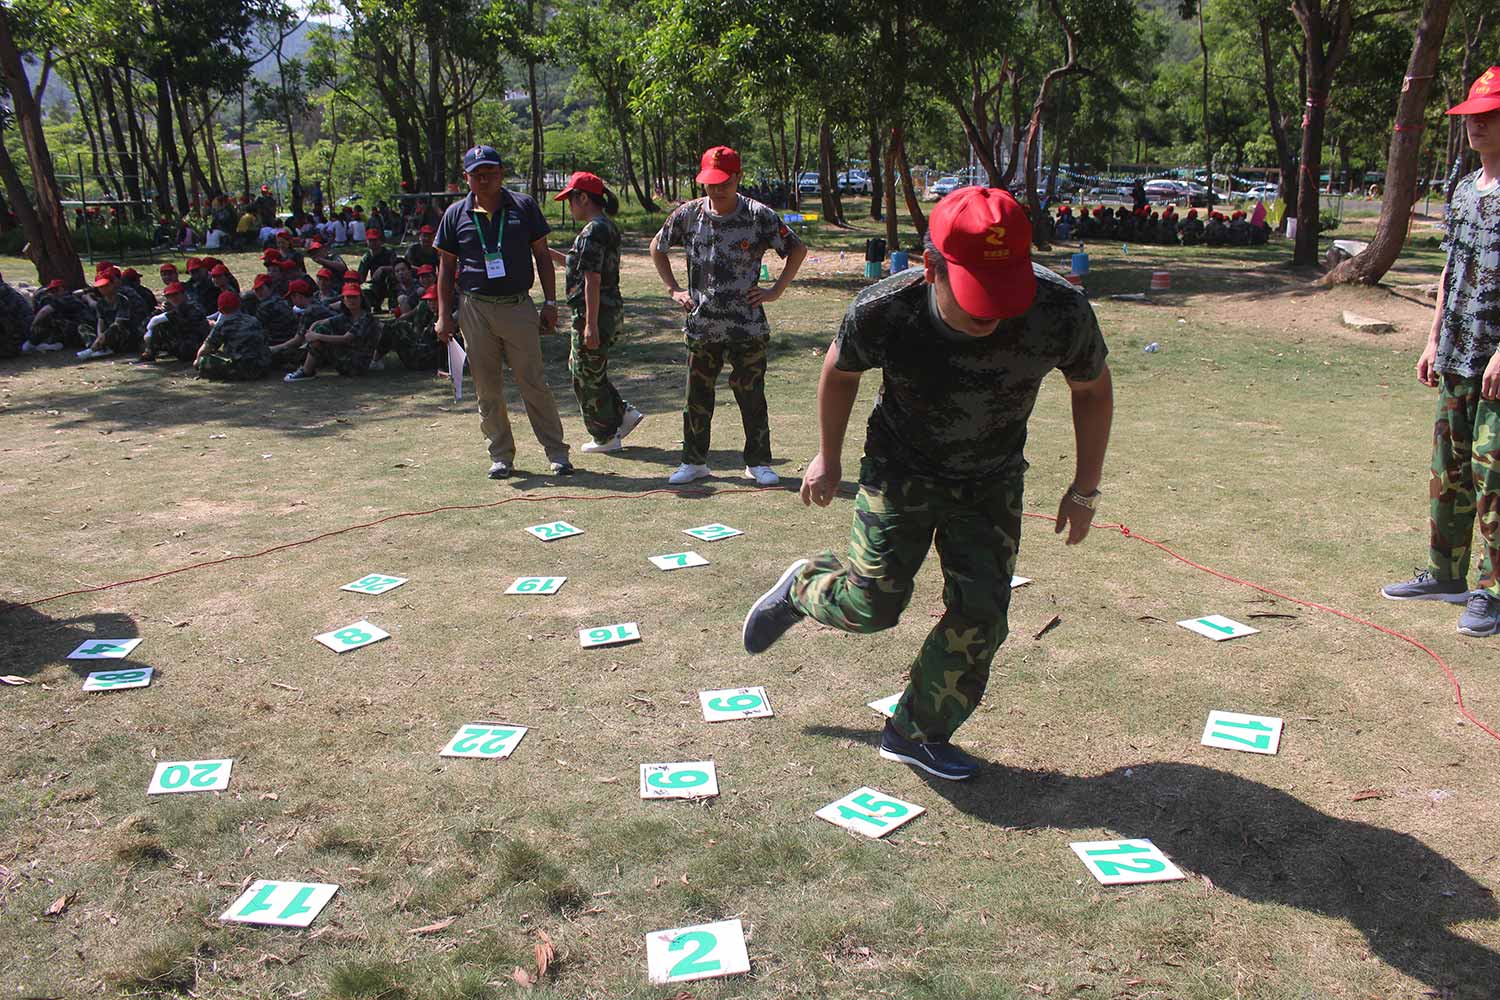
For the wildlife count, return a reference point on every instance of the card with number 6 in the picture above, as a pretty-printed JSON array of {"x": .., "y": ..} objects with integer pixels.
[
  {"x": 691, "y": 780},
  {"x": 735, "y": 703}
]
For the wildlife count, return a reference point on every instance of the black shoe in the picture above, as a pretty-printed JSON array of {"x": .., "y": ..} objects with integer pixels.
[
  {"x": 500, "y": 470},
  {"x": 562, "y": 468},
  {"x": 942, "y": 759},
  {"x": 770, "y": 617}
]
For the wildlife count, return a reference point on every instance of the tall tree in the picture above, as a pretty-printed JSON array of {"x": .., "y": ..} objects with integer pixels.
[{"x": 1326, "y": 29}]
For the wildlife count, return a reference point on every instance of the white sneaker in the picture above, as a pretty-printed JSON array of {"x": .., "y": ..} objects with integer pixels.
[
  {"x": 762, "y": 474},
  {"x": 687, "y": 473},
  {"x": 377, "y": 365},
  {"x": 628, "y": 422},
  {"x": 27, "y": 347},
  {"x": 597, "y": 447},
  {"x": 49, "y": 347},
  {"x": 88, "y": 353}
]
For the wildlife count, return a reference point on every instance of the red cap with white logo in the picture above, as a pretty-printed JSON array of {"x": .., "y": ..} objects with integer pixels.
[
  {"x": 1483, "y": 96},
  {"x": 985, "y": 237},
  {"x": 717, "y": 164}
]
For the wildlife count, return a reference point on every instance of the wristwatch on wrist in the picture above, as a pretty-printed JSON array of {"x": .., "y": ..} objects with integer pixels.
[
  {"x": 1089, "y": 500},
  {"x": 550, "y": 302}
]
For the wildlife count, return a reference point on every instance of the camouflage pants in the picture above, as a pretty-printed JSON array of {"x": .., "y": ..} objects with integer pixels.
[
  {"x": 977, "y": 528},
  {"x": 747, "y": 358},
  {"x": 119, "y": 336},
  {"x": 598, "y": 399},
  {"x": 54, "y": 329},
  {"x": 223, "y": 368},
  {"x": 345, "y": 360},
  {"x": 1465, "y": 483}
]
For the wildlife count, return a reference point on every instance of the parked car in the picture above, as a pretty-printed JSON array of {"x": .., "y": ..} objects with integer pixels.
[
  {"x": 1270, "y": 192},
  {"x": 854, "y": 182},
  {"x": 1166, "y": 189},
  {"x": 947, "y": 185},
  {"x": 1200, "y": 197},
  {"x": 808, "y": 183}
]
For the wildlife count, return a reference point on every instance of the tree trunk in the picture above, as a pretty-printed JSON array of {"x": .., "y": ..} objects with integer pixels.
[
  {"x": 1208, "y": 149},
  {"x": 913, "y": 208},
  {"x": 1402, "y": 161},
  {"x": 1326, "y": 42},
  {"x": 1033, "y": 129},
  {"x": 795, "y": 194},
  {"x": 190, "y": 151},
  {"x": 437, "y": 127},
  {"x": 211, "y": 147},
  {"x": 828, "y": 178},
  {"x": 90, "y": 114},
  {"x": 877, "y": 179},
  {"x": 124, "y": 149},
  {"x": 891, "y": 222},
  {"x": 538, "y": 178},
  {"x": 291, "y": 132},
  {"x": 20, "y": 203},
  {"x": 244, "y": 157},
  {"x": 1273, "y": 107}
]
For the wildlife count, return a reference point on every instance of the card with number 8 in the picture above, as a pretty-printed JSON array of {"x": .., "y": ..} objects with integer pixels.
[
  {"x": 869, "y": 812},
  {"x": 735, "y": 703},
  {"x": 692, "y": 780},
  {"x": 488, "y": 740},
  {"x": 702, "y": 952},
  {"x": 361, "y": 633},
  {"x": 115, "y": 680},
  {"x": 609, "y": 635},
  {"x": 1125, "y": 862},
  {"x": 374, "y": 583}
]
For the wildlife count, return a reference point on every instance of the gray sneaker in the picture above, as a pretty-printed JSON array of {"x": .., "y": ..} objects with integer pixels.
[
  {"x": 1426, "y": 587},
  {"x": 1482, "y": 616}
]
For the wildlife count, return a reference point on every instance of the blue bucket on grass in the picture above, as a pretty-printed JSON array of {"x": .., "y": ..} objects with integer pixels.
[
  {"x": 1080, "y": 263},
  {"x": 899, "y": 261}
]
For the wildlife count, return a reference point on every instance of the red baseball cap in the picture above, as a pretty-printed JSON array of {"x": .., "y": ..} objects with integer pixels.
[
  {"x": 315, "y": 245},
  {"x": 130, "y": 272},
  {"x": 228, "y": 301},
  {"x": 299, "y": 287},
  {"x": 352, "y": 289},
  {"x": 985, "y": 237},
  {"x": 717, "y": 164},
  {"x": 271, "y": 254},
  {"x": 324, "y": 272},
  {"x": 1483, "y": 96},
  {"x": 169, "y": 266},
  {"x": 104, "y": 279},
  {"x": 287, "y": 264},
  {"x": 427, "y": 231},
  {"x": 431, "y": 293},
  {"x": 426, "y": 269},
  {"x": 261, "y": 281},
  {"x": 584, "y": 181},
  {"x": 175, "y": 288},
  {"x": 265, "y": 187},
  {"x": 218, "y": 269},
  {"x": 373, "y": 233},
  {"x": 56, "y": 285}
]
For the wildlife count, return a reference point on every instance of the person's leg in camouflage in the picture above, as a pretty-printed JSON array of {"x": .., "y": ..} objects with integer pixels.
[
  {"x": 598, "y": 400},
  {"x": 1486, "y": 478},
  {"x": 748, "y": 380},
  {"x": 1452, "y": 509},
  {"x": 122, "y": 337},
  {"x": 705, "y": 361},
  {"x": 219, "y": 367}
]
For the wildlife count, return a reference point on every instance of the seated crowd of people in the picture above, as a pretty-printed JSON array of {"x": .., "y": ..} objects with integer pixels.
[
  {"x": 337, "y": 317},
  {"x": 1146, "y": 225},
  {"x": 227, "y": 224}
]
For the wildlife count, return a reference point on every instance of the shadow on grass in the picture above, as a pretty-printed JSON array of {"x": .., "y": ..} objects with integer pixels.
[
  {"x": 1264, "y": 846},
  {"x": 31, "y": 640}
]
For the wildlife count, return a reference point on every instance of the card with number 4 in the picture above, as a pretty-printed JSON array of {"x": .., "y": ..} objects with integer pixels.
[
  {"x": 1217, "y": 627},
  {"x": 702, "y": 952},
  {"x": 552, "y": 532},
  {"x": 105, "y": 649},
  {"x": 116, "y": 680},
  {"x": 488, "y": 740},
  {"x": 712, "y": 532},
  {"x": 869, "y": 812},
  {"x": 361, "y": 633},
  {"x": 692, "y": 780},
  {"x": 374, "y": 583},
  {"x": 1249, "y": 733},
  {"x": 1126, "y": 862},
  {"x": 735, "y": 703}
]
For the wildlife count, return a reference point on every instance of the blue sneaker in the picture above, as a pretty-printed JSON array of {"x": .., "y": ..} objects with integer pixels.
[
  {"x": 773, "y": 613},
  {"x": 1426, "y": 587},
  {"x": 1482, "y": 616},
  {"x": 942, "y": 759}
]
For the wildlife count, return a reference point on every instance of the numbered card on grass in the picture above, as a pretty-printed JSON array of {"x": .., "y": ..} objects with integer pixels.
[
  {"x": 1217, "y": 627},
  {"x": 552, "y": 532},
  {"x": 869, "y": 812},
  {"x": 1019, "y": 581},
  {"x": 712, "y": 532},
  {"x": 609, "y": 635},
  {"x": 375, "y": 583},
  {"x": 105, "y": 649},
  {"x": 115, "y": 680},
  {"x": 280, "y": 904},
  {"x": 490, "y": 740},
  {"x": 1125, "y": 862},
  {"x": 701, "y": 952},
  {"x": 349, "y": 637},
  {"x": 735, "y": 703},
  {"x": 886, "y": 706},
  {"x": 678, "y": 560},
  {"x": 190, "y": 776},
  {"x": 693, "y": 780},
  {"x": 537, "y": 586},
  {"x": 1234, "y": 731}
]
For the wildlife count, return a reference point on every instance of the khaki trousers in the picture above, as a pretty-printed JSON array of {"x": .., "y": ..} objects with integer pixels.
[{"x": 496, "y": 335}]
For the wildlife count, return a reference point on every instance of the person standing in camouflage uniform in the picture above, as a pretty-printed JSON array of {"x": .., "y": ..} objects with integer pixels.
[
  {"x": 348, "y": 340},
  {"x": 964, "y": 345},
  {"x": 1462, "y": 361},
  {"x": 16, "y": 316},
  {"x": 725, "y": 235},
  {"x": 235, "y": 349},
  {"x": 592, "y": 272},
  {"x": 179, "y": 330}
]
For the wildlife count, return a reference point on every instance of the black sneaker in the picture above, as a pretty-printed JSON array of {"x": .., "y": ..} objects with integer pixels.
[
  {"x": 562, "y": 468},
  {"x": 770, "y": 617},
  {"x": 942, "y": 759},
  {"x": 1426, "y": 587},
  {"x": 500, "y": 470}
]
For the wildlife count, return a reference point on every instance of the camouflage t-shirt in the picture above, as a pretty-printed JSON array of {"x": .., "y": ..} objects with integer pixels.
[
  {"x": 277, "y": 319},
  {"x": 596, "y": 249},
  {"x": 314, "y": 312},
  {"x": 1469, "y": 331},
  {"x": 240, "y": 337},
  {"x": 723, "y": 258},
  {"x": 951, "y": 406}
]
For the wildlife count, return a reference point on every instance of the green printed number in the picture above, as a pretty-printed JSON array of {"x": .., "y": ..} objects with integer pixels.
[
  {"x": 712, "y": 531},
  {"x": 677, "y": 779},
  {"x": 100, "y": 648},
  {"x": 552, "y": 530},
  {"x": 680, "y": 558},
  {"x": 1260, "y": 742},
  {"x": 876, "y": 808},
  {"x": 735, "y": 703},
  {"x": 1226, "y": 629},
  {"x": 352, "y": 636},
  {"x": 177, "y": 775},
  {"x": 114, "y": 677},
  {"x": 475, "y": 734},
  {"x": 607, "y": 634},
  {"x": 694, "y": 963},
  {"x": 374, "y": 582},
  {"x": 1108, "y": 868},
  {"x": 535, "y": 584}
]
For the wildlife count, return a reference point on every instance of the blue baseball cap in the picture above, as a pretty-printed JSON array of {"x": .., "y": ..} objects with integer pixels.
[{"x": 481, "y": 156}]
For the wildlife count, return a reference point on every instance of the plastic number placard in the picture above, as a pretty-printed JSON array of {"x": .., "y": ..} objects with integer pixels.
[
  {"x": 691, "y": 780},
  {"x": 712, "y": 532},
  {"x": 190, "y": 776},
  {"x": 1235, "y": 731},
  {"x": 735, "y": 703},
  {"x": 869, "y": 812},
  {"x": 537, "y": 586},
  {"x": 886, "y": 706},
  {"x": 1125, "y": 862},
  {"x": 609, "y": 635},
  {"x": 678, "y": 560},
  {"x": 553, "y": 531},
  {"x": 280, "y": 904},
  {"x": 361, "y": 633},
  {"x": 702, "y": 952},
  {"x": 105, "y": 649},
  {"x": 488, "y": 740},
  {"x": 1217, "y": 627},
  {"x": 374, "y": 583},
  {"x": 116, "y": 680}
]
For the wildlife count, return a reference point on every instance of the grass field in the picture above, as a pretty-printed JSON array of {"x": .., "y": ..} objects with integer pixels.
[{"x": 1263, "y": 439}]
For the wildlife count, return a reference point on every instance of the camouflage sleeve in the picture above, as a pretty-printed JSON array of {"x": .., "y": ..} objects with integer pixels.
[
  {"x": 1085, "y": 359},
  {"x": 777, "y": 234},
  {"x": 590, "y": 248},
  {"x": 860, "y": 346},
  {"x": 671, "y": 234},
  {"x": 1449, "y": 224}
]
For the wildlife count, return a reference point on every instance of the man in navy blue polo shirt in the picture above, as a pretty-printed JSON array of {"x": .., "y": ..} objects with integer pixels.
[{"x": 493, "y": 245}]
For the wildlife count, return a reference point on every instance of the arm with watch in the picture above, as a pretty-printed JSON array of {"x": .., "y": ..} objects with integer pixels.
[
  {"x": 547, "y": 275},
  {"x": 1093, "y": 410}
]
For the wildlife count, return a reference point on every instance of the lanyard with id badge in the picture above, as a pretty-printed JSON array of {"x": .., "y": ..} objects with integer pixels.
[{"x": 494, "y": 262}]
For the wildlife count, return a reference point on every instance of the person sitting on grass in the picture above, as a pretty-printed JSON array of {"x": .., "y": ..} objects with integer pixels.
[
  {"x": 16, "y": 315},
  {"x": 201, "y": 287},
  {"x": 60, "y": 314},
  {"x": 376, "y": 269},
  {"x": 179, "y": 329},
  {"x": 274, "y": 313},
  {"x": 348, "y": 340},
  {"x": 235, "y": 350},
  {"x": 1191, "y": 229},
  {"x": 115, "y": 328}
]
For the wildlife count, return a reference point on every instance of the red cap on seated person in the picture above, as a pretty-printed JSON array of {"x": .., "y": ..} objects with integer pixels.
[
  {"x": 287, "y": 264},
  {"x": 271, "y": 254},
  {"x": 299, "y": 287},
  {"x": 353, "y": 290},
  {"x": 168, "y": 267},
  {"x": 261, "y": 281},
  {"x": 315, "y": 245},
  {"x": 218, "y": 269},
  {"x": 55, "y": 285},
  {"x": 985, "y": 236},
  {"x": 324, "y": 272},
  {"x": 374, "y": 234},
  {"x": 427, "y": 231},
  {"x": 175, "y": 288},
  {"x": 430, "y": 294},
  {"x": 426, "y": 269},
  {"x": 229, "y": 301},
  {"x": 103, "y": 280},
  {"x": 193, "y": 264}
]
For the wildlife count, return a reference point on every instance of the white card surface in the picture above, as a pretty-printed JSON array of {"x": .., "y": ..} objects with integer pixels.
[
  {"x": 712, "y": 532},
  {"x": 488, "y": 740},
  {"x": 1217, "y": 627},
  {"x": 1019, "y": 581},
  {"x": 115, "y": 680},
  {"x": 886, "y": 706},
  {"x": 537, "y": 586},
  {"x": 361, "y": 633},
  {"x": 554, "y": 530},
  {"x": 456, "y": 358},
  {"x": 702, "y": 952},
  {"x": 190, "y": 776},
  {"x": 735, "y": 703},
  {"x": 609, "y": 635},
  {"x": 280, "y": 904},
  {"x": 869, "y": 812},
  {"x": 678, "y": 560},
  {"x": 691, "y": 780},
  {"x": 374, "y": 583},
  {"x": 105, "y": 649},
  {"x": 1236, "y": 731},
  {"x": 1125, "y": 862}
]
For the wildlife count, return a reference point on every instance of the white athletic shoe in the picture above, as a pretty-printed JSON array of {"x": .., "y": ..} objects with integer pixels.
[
  {"x": 377, "y": 365},
  {"x": 49, "y": 347},
  {"x": 598, "y": 447},
  {"x": 628, "y": 422},
  {"x": 27, "y": 347},
  {"x": 89, "y": 354},
  {"x": 687, "y": 473},
  {"x": 762, "y": 474}
]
